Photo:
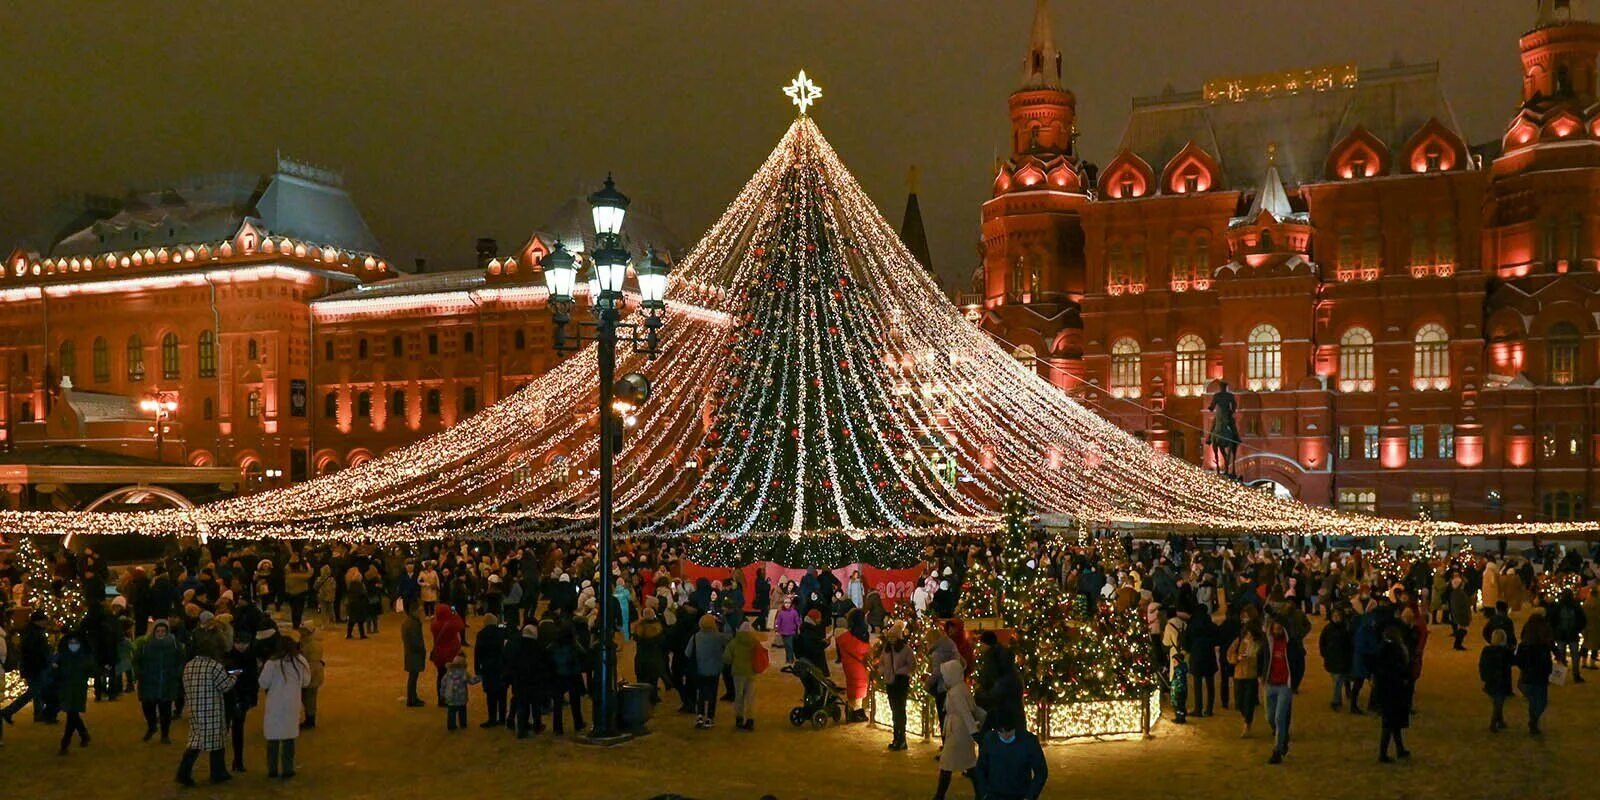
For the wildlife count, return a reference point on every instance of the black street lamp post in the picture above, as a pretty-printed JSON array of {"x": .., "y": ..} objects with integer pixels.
[{"x": 609, "y": 265}]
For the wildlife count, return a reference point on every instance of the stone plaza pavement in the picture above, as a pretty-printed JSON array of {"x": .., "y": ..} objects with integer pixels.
[{"x": 368, "y": 745}]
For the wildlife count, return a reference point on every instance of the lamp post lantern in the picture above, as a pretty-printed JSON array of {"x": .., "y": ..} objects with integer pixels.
[
  {"x": 608, "y": 269},
  {"x": 162, "y": 405}
]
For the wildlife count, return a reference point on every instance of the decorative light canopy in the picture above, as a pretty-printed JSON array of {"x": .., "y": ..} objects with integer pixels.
[{"x": 813, "y": 380}]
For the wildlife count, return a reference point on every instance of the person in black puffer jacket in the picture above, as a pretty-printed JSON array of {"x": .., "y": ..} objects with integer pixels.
[{"x": 1337, "y": 646}]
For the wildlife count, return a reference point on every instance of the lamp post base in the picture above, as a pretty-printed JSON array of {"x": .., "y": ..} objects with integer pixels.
[{"x": 609, "y": 739}]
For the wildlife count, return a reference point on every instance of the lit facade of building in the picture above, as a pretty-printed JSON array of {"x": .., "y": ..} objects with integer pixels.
[
  {"x": 262, "y": 307},
  {"x": 1410, "y": 322}
]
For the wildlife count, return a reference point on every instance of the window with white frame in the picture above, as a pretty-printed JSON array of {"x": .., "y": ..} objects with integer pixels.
[
  {"x": 1125, "y": 368},
  {"x": 1355, "y": 361},
  {"x": 1431, "y": 363},
  {"x": 1264, "y": 365},
  {"x": 1191, "y": 366},
  {"x": 1358, "y": 501}
]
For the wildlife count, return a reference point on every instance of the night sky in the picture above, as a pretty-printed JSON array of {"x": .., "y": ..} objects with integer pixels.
[{"x": 458, "y": 120}]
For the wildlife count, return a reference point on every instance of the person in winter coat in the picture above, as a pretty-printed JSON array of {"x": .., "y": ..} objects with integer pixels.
[
  {"x": 531, "y": 677},
  {"x": 453, "y": 689},
  {"x": 1203, "y": 661},
  {"x": 1011, "y": 766},
  {"x": 705, "y": 653},
  {"x": 812, "y": 643},
  {"x": 1280, "y": 691},
  {"x": 1494, "y": 669},
  {"x": 787, "y": 626},
  {"x": 1244, "y": 655},
  {"x": 568, "y": 656},
  {"x": 1174, "y": 642},
  {"x": 283, "y": 678},
  {"x": 447, "y": 629},
  {"x": 1336, "y": 644},
  {"x": 762, "y": 601},
  {"x": 246, "y": 692},
  {"x": 853, "y": 647},
  {"x": 1000, "y": 686},
  {"x": 311, "y": 651},
  {"x": 488, "y": 663},
  {"x": 1568, "y": 623},
  {"x": 428, "y": 584},
  {"x": 1459, "y": 603},
  {"x": 206, "y": 683},
  {"x": 649, "y": 655},
  {"x": 680, "y": 673},
  {"x": 1367, "y": 640},
  {"x": 963, "y": 720},
  {"x": 1535, "y": 662},
  {"x": 857, "y": 590},
  {"x": 1391, "y": 684},
  {"x": 897, "y": 662},
  {"x": 75, "y": 667},
  {"x": 356, "y": 604},
  {"x": 416, "y": 653},
  {"x": 158, "y": 670},
  {"x": 739, "y": 656}
]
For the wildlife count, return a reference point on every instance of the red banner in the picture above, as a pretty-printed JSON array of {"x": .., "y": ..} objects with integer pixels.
[{"x": 893, "y": 585}]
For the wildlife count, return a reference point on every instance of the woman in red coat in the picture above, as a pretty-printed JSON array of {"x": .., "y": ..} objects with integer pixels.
[
  {"x": 854, "y": 647},
  {"x": 448, "y": 628}
]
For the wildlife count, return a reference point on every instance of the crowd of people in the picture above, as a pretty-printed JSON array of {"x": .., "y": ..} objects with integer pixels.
[{"x": 208, "y": 634}]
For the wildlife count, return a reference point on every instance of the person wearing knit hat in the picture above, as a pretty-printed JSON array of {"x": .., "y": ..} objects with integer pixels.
[
  {"x": 812, "y": 642},
  {"x": 705, "y": 653}
]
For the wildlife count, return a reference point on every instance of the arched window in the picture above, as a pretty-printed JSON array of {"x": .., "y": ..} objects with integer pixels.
[
  {"x": 69, "y": 359},
  {"x": 1561, "y": 346},
  {"x": 1125, "y": 368},
  {"x": 1264, "y": 365},
  {"x": 1355, "y": 361},
  {"x": 208, "y": 354},
  {"x": 469, "y": 400},
  {"x": 397, "y": 403},
  {"x": 433, "y": 402},
  {"x": 364, "y": 405},
  {"x": 1431, "y": 364},
  {"x": 135, "y": 358},
  {"x": 252, "y": 405},
  {"x": 1116, "y": 267},
  {"x": 252, "y": 350},
  {"x": 169, "y": 356},
  {"x": 330, "y": 405},
  {"x": 102, "y": 360},
  {"x": 1191, "y": 366}
]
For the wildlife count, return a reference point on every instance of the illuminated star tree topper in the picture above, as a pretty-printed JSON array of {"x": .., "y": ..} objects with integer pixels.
[{"x": 802, "y": 91}]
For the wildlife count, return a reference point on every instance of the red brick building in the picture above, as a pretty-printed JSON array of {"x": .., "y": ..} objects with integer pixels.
[
  {"x": 1410, "y": 322},
  {"x": 262, "y": 307}
]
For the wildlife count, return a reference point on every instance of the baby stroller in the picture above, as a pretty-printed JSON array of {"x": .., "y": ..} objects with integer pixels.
[{"x": 822, "y": 700}]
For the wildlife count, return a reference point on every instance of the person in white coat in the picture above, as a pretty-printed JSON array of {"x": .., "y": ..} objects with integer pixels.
[
  {"x": 283, "y": 678},
  {"x": 962, "y": 720}
]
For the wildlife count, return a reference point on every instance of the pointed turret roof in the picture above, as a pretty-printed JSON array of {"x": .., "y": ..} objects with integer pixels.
[
  {"x": 1042, "y": 67},
  {"x": 1271, "y": 197},
  {"x": 912, "y": 232}
]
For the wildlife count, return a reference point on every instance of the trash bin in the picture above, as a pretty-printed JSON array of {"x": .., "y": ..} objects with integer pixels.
[{"x": 633, "y": 701}]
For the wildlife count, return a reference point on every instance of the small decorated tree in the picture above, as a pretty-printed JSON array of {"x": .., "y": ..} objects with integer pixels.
[{"x": 60, "y": 600}]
